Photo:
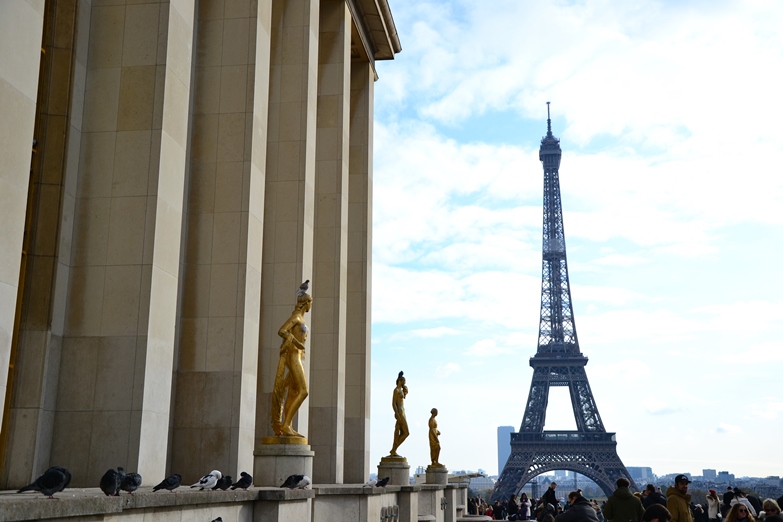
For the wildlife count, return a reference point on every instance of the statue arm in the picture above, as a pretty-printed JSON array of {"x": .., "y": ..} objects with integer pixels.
[{"x": 286, "y": 333}]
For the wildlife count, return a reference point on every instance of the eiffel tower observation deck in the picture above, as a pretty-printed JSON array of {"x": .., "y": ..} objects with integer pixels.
[{"x": 589, "y": 450}]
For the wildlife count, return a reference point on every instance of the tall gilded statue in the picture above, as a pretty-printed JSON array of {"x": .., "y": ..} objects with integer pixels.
[
  {"x": 434, "y": 441},
  {"x": 401, "y": 427},
  {"x": 290, "y": 388}
]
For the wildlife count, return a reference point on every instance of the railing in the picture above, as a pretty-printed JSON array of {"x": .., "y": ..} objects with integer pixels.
[{"x": 563, "y": 436}]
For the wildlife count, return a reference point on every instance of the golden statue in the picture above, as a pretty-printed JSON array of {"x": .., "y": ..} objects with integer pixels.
[
  {"x": 290, "y": 388},
  {"x": 434, "y": 442},
  {"x": 401, "y": 427}
]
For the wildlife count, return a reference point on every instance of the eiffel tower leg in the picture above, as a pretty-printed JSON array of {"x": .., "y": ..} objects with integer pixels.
[{"x": 592, "y": 455}]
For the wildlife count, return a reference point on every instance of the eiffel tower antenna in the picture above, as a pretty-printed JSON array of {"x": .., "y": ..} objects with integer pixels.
[{"x": 589, "y": 450}]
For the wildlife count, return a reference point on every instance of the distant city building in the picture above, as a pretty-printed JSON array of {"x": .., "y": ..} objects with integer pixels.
[
  {"x": 504, "y": 445},
  {"x": 724, "y": 477},
  {"x": 481, "y": 483},
  {"x": 772, "y": 481},
  {"x": 709, "y": 474},
  {"x": 641, "y": 474}
]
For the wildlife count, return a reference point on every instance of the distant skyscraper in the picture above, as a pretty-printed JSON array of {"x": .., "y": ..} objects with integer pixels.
[
  {"x": 504, "y": 448},
  {"x": 709, "y": 474},
  {"x": 643, "y": 474},
  {"x": 724, "y": 477}
]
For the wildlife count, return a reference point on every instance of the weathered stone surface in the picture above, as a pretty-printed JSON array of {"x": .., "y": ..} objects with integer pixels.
[{"x": 91, "y": 502}]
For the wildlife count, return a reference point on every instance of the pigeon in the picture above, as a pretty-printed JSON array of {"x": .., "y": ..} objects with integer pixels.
[
  {"x": 208, "y": 481},
  {"x": 110, "y": 483},
  {"x": 382, "y": 482},
  {"x": 171, "y": 483},
  {"x": 244, "y": 482},
  {"x": 130, "y": 482},
  {"x": 371, "y": 482},
  {"x": 121, "y": 473},
  {"x": 53, "y": 480},
  {"x": 223, "y": 482},
  {"x": 297, "y": 482},
  {"x": 218, "y": 519},
  {"x": 303, "y": 288}
]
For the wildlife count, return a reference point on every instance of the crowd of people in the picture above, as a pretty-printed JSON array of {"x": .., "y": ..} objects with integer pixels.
[{"x": 649, "y": 505}]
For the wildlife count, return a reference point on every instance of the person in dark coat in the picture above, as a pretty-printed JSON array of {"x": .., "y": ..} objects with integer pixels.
[
  {"x": 580, "y": 510},
  {"x": 549, "y": 496},
  {"x": 622, "y": 505},
  {"x": 651, "y": 496}
]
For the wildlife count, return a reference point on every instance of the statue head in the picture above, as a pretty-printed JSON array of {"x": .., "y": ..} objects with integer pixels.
[
  {"x": 434, "y": 411},
  {"x": 400, "y": 378},
  {"x": 304, "y": 301}
]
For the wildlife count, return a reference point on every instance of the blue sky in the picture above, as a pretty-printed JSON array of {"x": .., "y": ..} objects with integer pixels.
[{"x": 669, "y": 119}]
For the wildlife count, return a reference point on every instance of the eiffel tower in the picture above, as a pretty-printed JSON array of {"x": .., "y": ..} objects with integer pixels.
[{"x": 589, "y": 450}]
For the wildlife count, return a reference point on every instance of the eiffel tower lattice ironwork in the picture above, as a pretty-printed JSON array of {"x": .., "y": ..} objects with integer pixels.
[{"x": 589, "y": 450}]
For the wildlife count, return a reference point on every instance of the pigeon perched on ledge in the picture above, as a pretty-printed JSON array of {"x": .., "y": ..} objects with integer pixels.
[
  {"x": 372, "y": 482},
  {"x": 53, "y": 480},
  {"x": 244, "y": 482},
  {"x": 130, "y": 482},
  {"x": 297, "y": 482},
  {"x": 171, "y": 483},
  {"x": 382, "y": 483},
  {"x": 208, "y": 481},
  {"x": 110, "y": 483},
  {"x": 223, "y": 482}
]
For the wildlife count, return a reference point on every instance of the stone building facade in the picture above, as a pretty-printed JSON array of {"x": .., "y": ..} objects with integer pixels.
[{"x": 172, "y": 170}]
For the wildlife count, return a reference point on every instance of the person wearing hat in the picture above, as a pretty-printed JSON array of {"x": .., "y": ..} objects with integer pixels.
[
  {"x": 580, "y": 511},
  {"x": 713, "y": 505},
  {"x": 622, "y": 505},
  {"x": 650, "y": 496},
  {"x": 741, "y": 498},
  {"x": 678, "y": 500}
]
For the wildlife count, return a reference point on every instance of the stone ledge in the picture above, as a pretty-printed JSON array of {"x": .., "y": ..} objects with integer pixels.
[
  {"x": 78, "y": 502},
  {"x": 354, "y": 489}
]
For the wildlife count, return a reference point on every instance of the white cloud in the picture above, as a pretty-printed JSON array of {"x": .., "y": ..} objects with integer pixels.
[
  {"x": 443, "y": 371},
  {"x": 487, "y": 348},
  {"x": 425, "y": 333}
]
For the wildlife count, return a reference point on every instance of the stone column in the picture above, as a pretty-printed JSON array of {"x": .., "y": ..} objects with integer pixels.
[
  {"x": 327, "y": 390},
  {"x": 358, "y": 319},
  {"x": 114, "y": 390},
  {"x": 290, "y": 189},
  {"x": 47, "y": 245},
  {"x": 21, "y": 27},
  {"x": 214, "y": 417}
]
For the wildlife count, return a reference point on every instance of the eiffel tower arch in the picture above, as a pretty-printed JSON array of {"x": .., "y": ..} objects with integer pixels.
[{"x": 589, "y": 450}]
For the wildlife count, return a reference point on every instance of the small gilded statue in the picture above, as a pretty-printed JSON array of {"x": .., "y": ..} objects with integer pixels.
[
  {"x": 290, "y": 388},
  {"x": 434, "y": 442},
  {"x": 401, "y": 427}
]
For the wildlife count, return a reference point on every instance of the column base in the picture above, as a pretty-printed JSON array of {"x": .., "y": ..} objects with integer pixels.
[
  {"x": 275, "y": 462},
  {"x": 437, "y": 474},
  {"x": 397, "y": 469}
]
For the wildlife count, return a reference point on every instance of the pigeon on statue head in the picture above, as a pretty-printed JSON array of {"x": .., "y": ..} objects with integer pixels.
[{"x": 303, "y": 288}]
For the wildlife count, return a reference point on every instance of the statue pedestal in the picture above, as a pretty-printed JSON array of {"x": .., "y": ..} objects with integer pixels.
[
  {"x": 397, "y": 469},
  {"x": 437, "y": 474},
  {"x": 280, "y": 457}
]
